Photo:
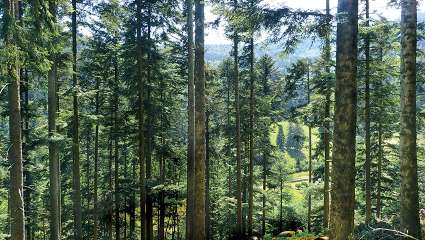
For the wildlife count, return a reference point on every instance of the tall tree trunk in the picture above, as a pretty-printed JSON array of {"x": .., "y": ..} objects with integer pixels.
[
  {"x": 368, "y": 159},
  {"x": 16, "y": 201},
  {"x": 96, "y": 165},
  {"x": 326, "y": 127},
  {"x": 141, "y": 127},
  {"x": 251, "y": 137},
  {"x": 191, "y": 123},
  {"x": 110, "y": 185},
  {"x": 116, "y": 154},
  {"x": 88, "y": 172},
  {"x": 149, "y": 128},
  {"x": 378, "y": 188},
  {"x": 55, "y": 220},
  {"x": 76, "y": 191},
  {"x": 116, "y": 185},
  {"x": 409, "y": 199},
  {"x": 59, "y": 130},
  {"x": 238, "y": 131},
  {"x": 200, "y": 150},
  {"x": 28, "y": 181},
  {"x": 125, "y": 150},
  {"x": 344, "y": 153},
  {"x": 229, "y": 151},
  {"x": 207, "y": 176},
  {"x": 310, "y": 167},
  {"x": 161, "y": 227},
  {"x": 245, "y": 186},
  {"x": 132, "y": 203}
]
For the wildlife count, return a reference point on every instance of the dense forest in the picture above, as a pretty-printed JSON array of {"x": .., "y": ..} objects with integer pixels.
[{"x": 118, "y": 121}]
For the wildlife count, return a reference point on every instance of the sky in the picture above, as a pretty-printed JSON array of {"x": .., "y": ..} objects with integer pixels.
[{"x": 377, "y": 8}]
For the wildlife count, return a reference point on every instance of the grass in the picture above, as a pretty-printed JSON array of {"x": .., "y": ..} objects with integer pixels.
[{"x": 296, "y": 178}]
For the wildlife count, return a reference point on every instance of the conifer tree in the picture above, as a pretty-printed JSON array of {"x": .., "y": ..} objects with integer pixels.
[
  {"x": 343, "y": 163},
  {"x": 16, "y": 201},
  {"x": 409, "y": 207}
]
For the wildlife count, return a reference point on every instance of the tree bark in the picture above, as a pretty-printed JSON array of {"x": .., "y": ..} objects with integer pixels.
[
  {"x": 409, "y": 199},
  {"x": 200, "y": 149},
  {"x": 378, "y": 188},
  {"x": 76, "y": 191},
  {"x": 326, "y": 127},
  {"x": 238, "y": 132},
  {"x": 88, "y": 172},
  {"x": 149, "y": 128},
  {"x": 53, "y": 156},
  {"x": 132, "y": 203},
  {"x": 125, "y": 152},
  {"x": 343, "y": 165},
  {"x": 28, "y": 179},
  {"x": 54, "y": 165},
  {"x": 116, "y": 154},
  {"x": 96, "y": 165},
  {"x": 229, "y": 150},
  {"x": 245, "y": 185},
  {"x": 141, "y": 128},
  {"x": 16, "y": 201},
  {"x": 368, "y": 159},
  {"x": 161, "y": 226},
  {"x": 207, "y": 176},
  {"x": 109, "y": 194},
  {"x": 251, "y": 141},
  {"x": 191, "y": 123}
]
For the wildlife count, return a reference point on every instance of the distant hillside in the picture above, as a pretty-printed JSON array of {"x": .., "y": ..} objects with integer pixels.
[{"x": 215, "y": 53}]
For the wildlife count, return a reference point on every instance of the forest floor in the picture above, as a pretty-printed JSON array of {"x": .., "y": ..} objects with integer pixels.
[{"x": 296, "y": 238}]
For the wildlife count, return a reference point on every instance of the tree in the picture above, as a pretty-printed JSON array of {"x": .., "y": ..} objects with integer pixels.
[
  {"x": 96, "y": 163},
  {"x": 54, "y": 165},
  {"x": 200, "y": 148},
  {"x": 191, "y": 122},
  {"x": 251, "y": 136},
  {"x": 76, "y": 191},
  {"x": 141, "y": 128},
  {"x": 367, "y": 120},
  {"x": 310, "y": 166},
  {"x": 343, "y": 164},
  {"x": 409, "y": 201},
  {"x": 16, "y": 201},
  {"x": 238, "y": 126},
  {"x": 266, "y": 73},
  {"x": 326, "y": 127}
]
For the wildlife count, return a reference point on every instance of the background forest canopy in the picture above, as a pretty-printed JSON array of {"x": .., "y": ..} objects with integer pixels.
[{"x": 223, "y": 119}]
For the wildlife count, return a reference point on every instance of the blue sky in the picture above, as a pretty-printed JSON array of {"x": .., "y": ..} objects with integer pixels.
[{"x": 377, "y": 8}]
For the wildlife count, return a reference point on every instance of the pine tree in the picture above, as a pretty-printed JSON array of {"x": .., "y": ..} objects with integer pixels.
[
  {"x": 16, "y": 201},
  {"x": 200, "y": 149},
  {"x": 326, "y": 127},
  {"x": 141, "y": 116},
  {"x": 54, "y": 165},
  {"x": 238, "y": 127},
  {"x": 343, "y": 164},
  {"x": 409, "y": 203},
  {"x": 76, "y": 191},
  {"x": 191, "y": 123},
  {"x": 367, "y": 120}
]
